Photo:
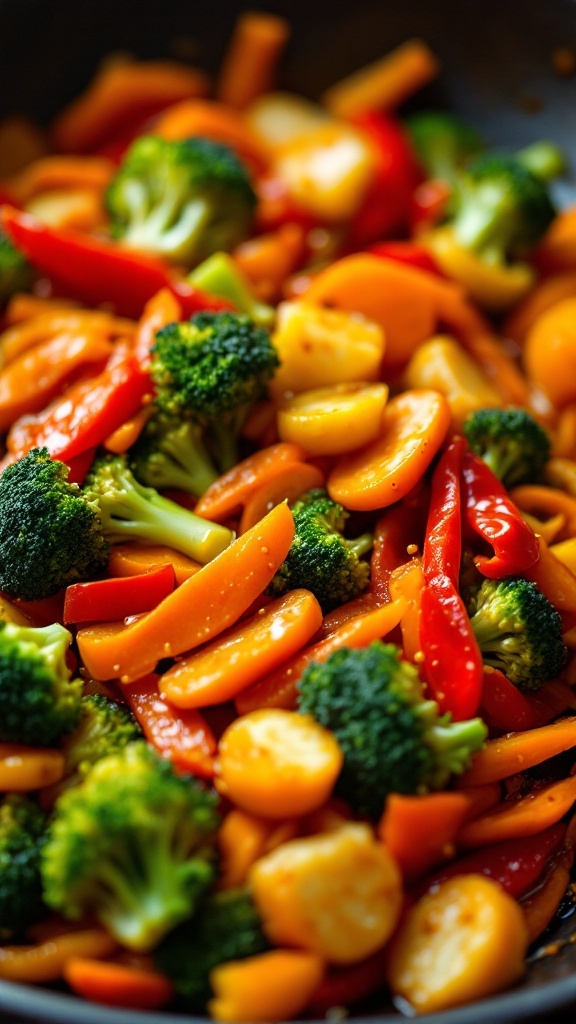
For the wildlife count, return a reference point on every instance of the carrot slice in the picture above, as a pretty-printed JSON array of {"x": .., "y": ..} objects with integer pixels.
[
  {"x": 135, "y": 559},
  {"x": 287, "y": 485},
  {"x": 540, "y": 906},
  {"x": 516, "y": 752},
  {"x": 46, "y": 961},
  {"x": 231, "y": 491},
  {"x": 420, "y": 831},
  {"x": 523, "y": 817},
  {"x": 115, "y": 984},
  {"x": 245, "y": 653},
  {"x": 162, "y": 309},
  {"x": 414, "y": 425},
  {"x": 274, "y": 986},
  {"x": 24, "y": 769},
  {"x": 198, "y": 610}
]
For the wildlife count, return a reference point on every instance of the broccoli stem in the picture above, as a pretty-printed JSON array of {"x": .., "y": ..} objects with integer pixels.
[
  {"x": 361, "y": 545},
  {"x": 452, "y": 742},
  {"x": 224, "y": 434},
  {"x": 483, "y": 223},
  {"x": 181, "y": 461}
]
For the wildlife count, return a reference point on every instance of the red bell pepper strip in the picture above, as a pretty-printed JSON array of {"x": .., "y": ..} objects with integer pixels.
[
  {"x": 386, "y": 206},
  {"x": 516, "y": 864},
  {"x": 79, "y": 466},
  {"x": 492, "y": 514},
  {"x": 408, "y": 253},
  {"x": 183, "y": 737},
  {"x": 346, "y": 984},
  {"x": 87, "y": 413},
  {"x": 506, "y": 709},
  {"x": 114, "y": 599},
  {"x": 429, "y": 202},
  {"x": 452, "y": 660},
  {"x": 95, "y": 271},
  {"x": 401, "y": 526}
]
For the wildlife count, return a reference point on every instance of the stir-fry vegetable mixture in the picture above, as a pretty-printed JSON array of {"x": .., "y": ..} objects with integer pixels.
[{"x": 287, "y": 544}]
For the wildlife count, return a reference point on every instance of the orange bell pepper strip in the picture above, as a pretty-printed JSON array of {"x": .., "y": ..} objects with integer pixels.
[
  {"x": 517, "y": 752},
  {"x": 408, "y": 582},
  {"x": 250, "y": 62},
  {"x": 135, "y": 559},
  {"x": 45, "y": 324},
  {"x": 287, "y": 485},
  {"x": 183, "y": 737},
  {"x": 523, "y": 817},
  {"x": 214, "y": 121},
  {"x": 197, "y": 611},
  {"x": 46, "y": 961},
  {"x": 117, "y": 984},
  {"x": 245, "y": 653},
  {"x": 124, "y": 92},
  {"x": 280, "y": 688},
  {"x": 29, "y": 382},
  {"x": 554, "y": 579},
  {"x": 24, "y": 769},
  {"x": 414, "y": 425},
  {"x": 420, "y": 831},
  {"x": 274, "y": 986},
  {"x": 233, "y": 489}
]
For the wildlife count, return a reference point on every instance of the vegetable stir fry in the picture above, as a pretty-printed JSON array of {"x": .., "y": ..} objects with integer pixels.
[{"x": 287, "y": 545}]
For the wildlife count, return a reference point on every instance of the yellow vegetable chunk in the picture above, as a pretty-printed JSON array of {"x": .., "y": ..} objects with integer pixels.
[
  {"x": 465, "y": 940},
  {"x": 282, "y": 117},
  {"x": 330, "y": 421},
  {"x": 338, "y": 894},
  {"x": 278, "y": 764},
  {"x": 274, "y": 986},
  {"x": 495, "y": 288},
  {"x": 550, "y": 353},
  {"x": 322, "y": 347},
  {"x": 442, "y": 364},
  {"x": 328, "y": 171}
]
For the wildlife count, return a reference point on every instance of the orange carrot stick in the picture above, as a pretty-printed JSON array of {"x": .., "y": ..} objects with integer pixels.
[
  {"x": 22, "y": 307},
  {"x": 554, "y": 579},
  {"x": 250, "y": 63},
  {"x": 52, "y": 323},
  {"x": 135, "y": 559},
  {"x": 24, "y": 769},
  {"x": 516, "y": 752},
  {"x": 280, "y": 688},
  {"x": 540, "y": 906},
  {"x": 385, "y": 84},
  {"x": 243, "y": 654},
  {"x": 274, "y": 986},
  {"x": 233, "y": 489},
  {"x": 523, "y": 817},
  {"x": 61, "y": 172},
  {"x": 481, "y": 798},
  {"x": 162, "y": 309},
  {"x": 195, "y": 612},
  {"x": 287, "y": 485},
  {"x": 46, "y": 961},
  {"x": 420, "y": 831},
  {"x": 117, "y": 984}
]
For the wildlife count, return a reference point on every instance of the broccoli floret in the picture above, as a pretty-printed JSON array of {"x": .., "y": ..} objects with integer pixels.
[
  {"x": 392, "y": 739},
  {"x": 170, "y": 453},
  {"x": 500, "y": 208},
  {"x": 49, "y": 534},
  {"x": 130, "y": 511},
  {"x": 320, "y": 559},
  {"x": 544, "y": 159},
  {"x": 182, "y": 199},
  {"x": 22, "y": 836},
  {"x": 132, "y": 844},
  {"x": 219, "y": 275},
  {"x": 443, "y": 142},
  {"x": 211, "y": 370},
  {"x": 511, "y": 443},
  {"x": 105, "y": 727},
  {"x": 226, "y": 927},
  {"x": 16, "y": 275},
  {"x": 38, "y": 700},
  {"x": 518, "y": 631}
]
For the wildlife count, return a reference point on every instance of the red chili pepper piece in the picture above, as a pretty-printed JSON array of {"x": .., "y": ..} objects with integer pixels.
[
  {"x": 95, "y": 271},
  {"x": 114, "y": 599},
  {"x": 409, "y": 254},
  {"x": 452, "y": 660},
  {"x": 492, "y": 514},
  {"x": 79, "y": 466},
  {"x": 516, "y": 864},
  {"x": 183, "y": 737},
  {"x": 506, "y": 709}
]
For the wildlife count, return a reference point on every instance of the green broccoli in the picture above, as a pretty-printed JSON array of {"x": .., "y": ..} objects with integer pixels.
[
  {"x": 38, "y": 700},
  {"x": 183, "y": 199},
  {"x": 225, "y": 927},
  {"x": 320, "y": 559},
  {"x": 170, "y": 454},
  {"x": 219, "y": 275},
  {"x": 544, "y": 159},
  {"x": 443, "y": 142},
  {"x": 511, "y": 443},
  {"x": 500, "y": 209},
  {"x": 129, "y": 511},
  {"x": 518, "y": 631},
  {"x": 16, "y": 275},
  {"x": 105, "y": 727},
  {"x": 49, "y": 533},
  {"x": 132, "y": 844},
  {"x": 211, "y": 370},
  {"x": 392, "y": 739},
  {"x": 22, "y": 836}
]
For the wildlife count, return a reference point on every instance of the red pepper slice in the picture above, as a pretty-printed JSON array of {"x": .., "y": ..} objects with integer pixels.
[
  {"x": 506, "y": 709},
  {"x": 96, "y": 272},
  {"x": 452, "y": 660},
  {"x": 183, "y": 737},
  {"x": 114, "y": 599},
  {"x": 492, "y": 514},
  {"x": 408, "y": 253},
  {"x": 429, "y": 203},
  {"x": 87, "y": 413}
]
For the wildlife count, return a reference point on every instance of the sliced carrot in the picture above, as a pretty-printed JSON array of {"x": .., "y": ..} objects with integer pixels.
[
  {"x": 183, "y": 737},
  {"x": 540, "y": 906},
  {"x": 420, "y": 831},
  {"x": 554, "y": 579},
  {"x": 544, "y": 295},
  {"x": 287, "y": 485},
  {"x": 127, "y": 435},
  {"x": 162, "y": 309},
  {"x": 62, "y": 172},
  {"x": 333, "y": 420},
  {"x": 115, "y": 984},
  {"x": 274, "y": 986},
  {"x": 52, "y": 323},
  {"x": 500, "y": 368},
  {"x": 215, "y": 121},
  {"x": 269, "y": 259},
  {"x": 280, "y": 688},
  {"x": 414, "y": 425},
  {"x": 198, "y": 610},
  {"x": 135, "y": 559},
  {"x": 250, "y": 63},
  {"x": 523, "y": 817},
  {"x": 46, "y": 961},
  {"x": 23, "y": 306},
  {"x": 408, "y": 582},
  {"x": 233, "y": 489},
  {"x": 385, "y": 84},
  {"x": 516, "y": 752},
  {"x": 24, "y": 769},
  {"x": 243, "y": 654},
  {"x": 481, "y": 798}
]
